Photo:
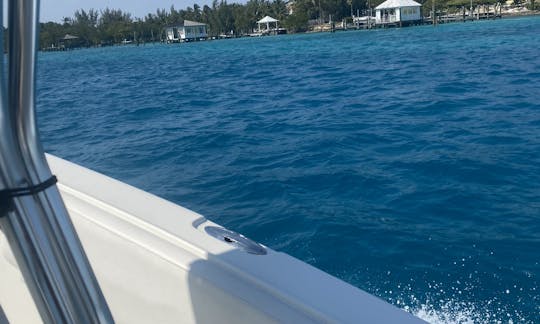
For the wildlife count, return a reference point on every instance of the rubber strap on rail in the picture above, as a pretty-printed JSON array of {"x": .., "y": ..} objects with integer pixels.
[{"x": 7, "y": 195}]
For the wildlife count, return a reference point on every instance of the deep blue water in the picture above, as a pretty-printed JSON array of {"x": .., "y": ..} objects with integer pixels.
[{"x": 403, "y": 161}]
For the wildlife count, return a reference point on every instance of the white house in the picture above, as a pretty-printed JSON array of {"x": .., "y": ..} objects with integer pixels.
[
  {"x": 398, "y": 11},
  {"x": 187, "y": 31}
]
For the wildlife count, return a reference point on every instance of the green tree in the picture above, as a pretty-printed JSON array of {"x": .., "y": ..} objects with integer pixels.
[
  {"x": 84, "y": 26},
  {"x": 297, "y": 22},
  {"x": 50, "y": 33},
  {"x": 114, "y": 25}
]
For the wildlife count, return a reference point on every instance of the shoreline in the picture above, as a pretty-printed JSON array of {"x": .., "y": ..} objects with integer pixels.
[{"x": 325, "y": 29}]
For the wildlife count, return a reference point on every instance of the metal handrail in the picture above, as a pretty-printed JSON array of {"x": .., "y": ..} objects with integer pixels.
[{"x": 38, "y": 226}]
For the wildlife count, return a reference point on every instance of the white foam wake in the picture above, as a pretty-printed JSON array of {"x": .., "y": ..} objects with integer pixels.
[{"x": 453, "y": 312}]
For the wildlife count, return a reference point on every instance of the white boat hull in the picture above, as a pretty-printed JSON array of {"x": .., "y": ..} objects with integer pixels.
[{"x": 156, "y": 264}]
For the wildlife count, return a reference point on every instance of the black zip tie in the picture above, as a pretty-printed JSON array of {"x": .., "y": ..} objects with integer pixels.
[{"x": 7, "y": 195}]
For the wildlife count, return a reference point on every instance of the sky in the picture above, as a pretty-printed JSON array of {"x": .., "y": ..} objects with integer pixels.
[{"x": 55, "y": 10}]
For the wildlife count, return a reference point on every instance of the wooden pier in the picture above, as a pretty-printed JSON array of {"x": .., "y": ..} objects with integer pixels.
[{"x": 480, "y": 12}]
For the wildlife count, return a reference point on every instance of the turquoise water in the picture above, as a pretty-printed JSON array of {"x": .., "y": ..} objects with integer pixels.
[{"x": 403, "y": 161}]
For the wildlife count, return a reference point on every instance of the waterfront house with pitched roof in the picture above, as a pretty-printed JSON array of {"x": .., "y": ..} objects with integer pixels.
[
  {"x": 186, "y": 31},
  {"x": 398, "y": 12}
]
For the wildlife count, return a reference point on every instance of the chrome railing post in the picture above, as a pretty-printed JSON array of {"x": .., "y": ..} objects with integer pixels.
[{"x": 37, "y": 224}]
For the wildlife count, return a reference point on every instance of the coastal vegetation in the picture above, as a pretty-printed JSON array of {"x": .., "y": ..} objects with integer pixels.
[{"x": 112, "y": 26}]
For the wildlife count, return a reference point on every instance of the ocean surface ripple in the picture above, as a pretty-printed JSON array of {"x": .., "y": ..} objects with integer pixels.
[{"x": 403, "y": 161}]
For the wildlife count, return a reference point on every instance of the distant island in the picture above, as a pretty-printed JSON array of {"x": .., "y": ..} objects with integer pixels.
[{"x": 107, "y": 27}]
